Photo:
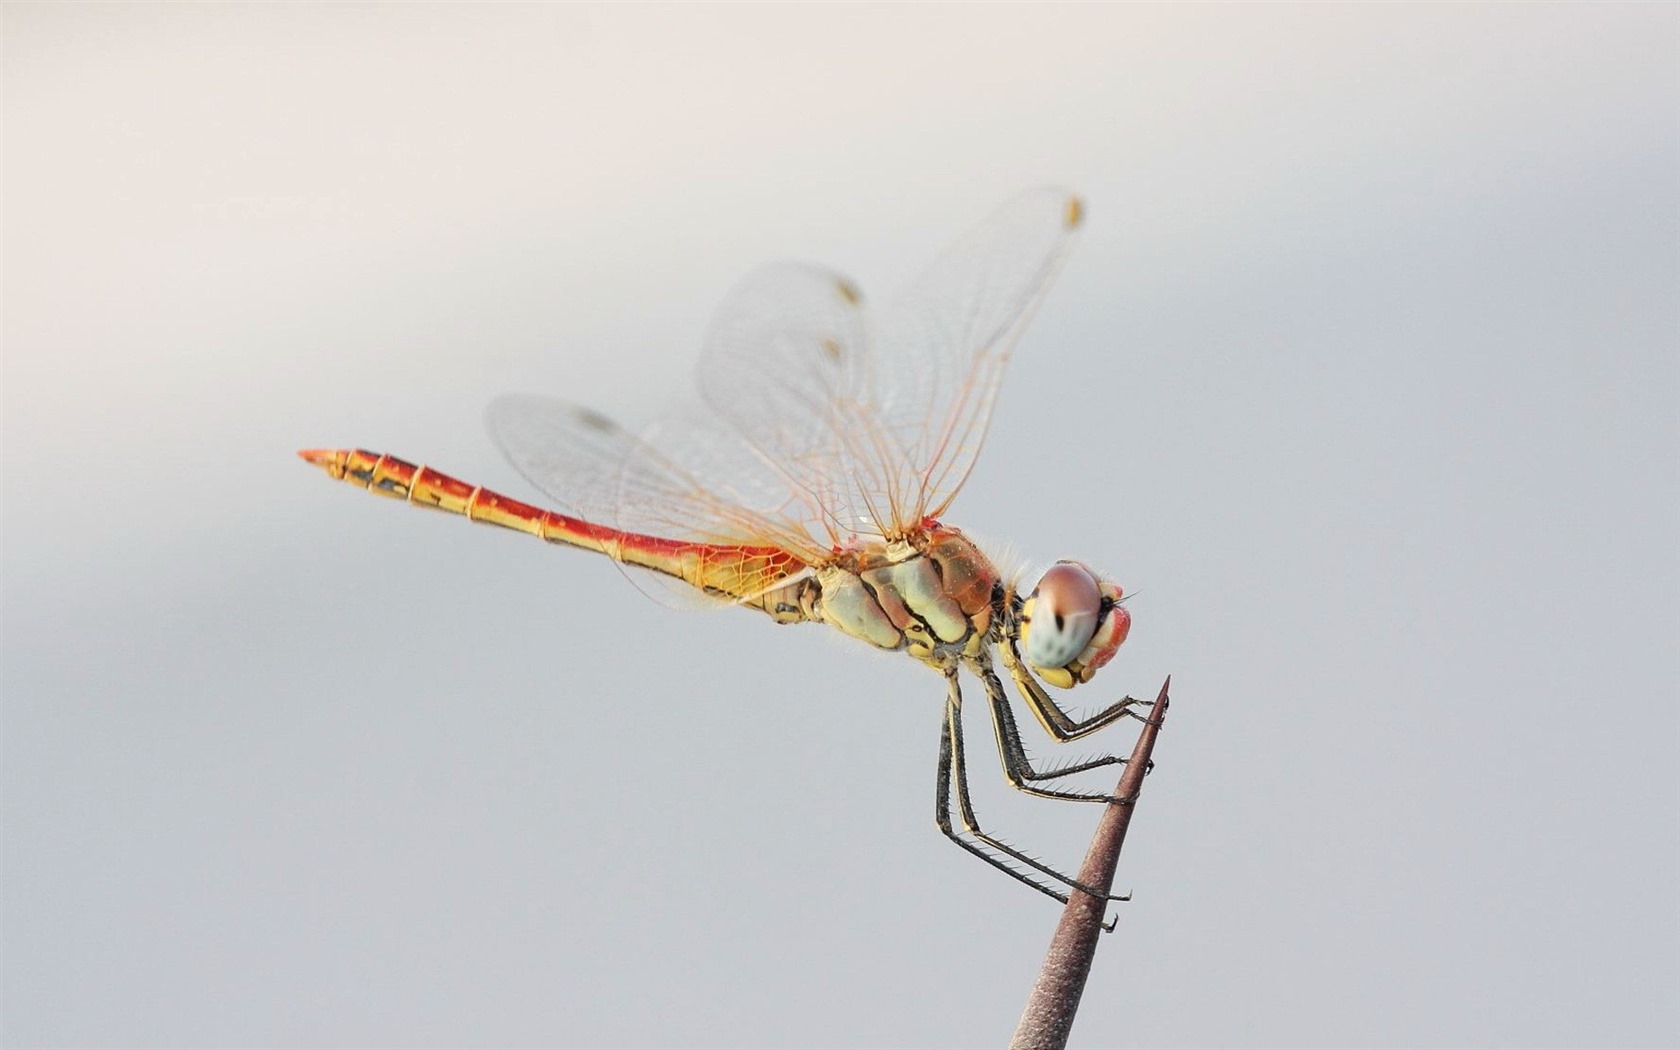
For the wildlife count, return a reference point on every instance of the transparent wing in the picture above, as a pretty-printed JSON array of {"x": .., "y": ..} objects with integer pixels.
[
  {"x": 815, "y": 421},
  {"x": 943, "y": 343},
  {"x": 707, "y": 488},
  {"x": 873, "y": 422},
  {"x": 787, "y": 366}
]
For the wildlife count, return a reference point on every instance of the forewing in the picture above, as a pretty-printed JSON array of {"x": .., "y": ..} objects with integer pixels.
[
  {"x": 941, "y": 346},
  {"x": 872, "y": 422}
]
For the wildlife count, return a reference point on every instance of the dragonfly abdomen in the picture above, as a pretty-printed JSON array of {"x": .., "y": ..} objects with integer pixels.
[
  {"x": 743, "y": 573},
  {"x": 386, "y": 475}
]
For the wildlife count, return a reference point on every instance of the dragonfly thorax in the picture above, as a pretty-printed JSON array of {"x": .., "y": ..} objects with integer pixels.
[{"x": 931, "y": 594}]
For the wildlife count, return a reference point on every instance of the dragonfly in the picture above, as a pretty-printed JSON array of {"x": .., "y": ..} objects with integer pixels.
[{"x": 808, "y": 476}]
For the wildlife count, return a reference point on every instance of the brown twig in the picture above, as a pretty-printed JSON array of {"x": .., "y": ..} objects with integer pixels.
[{"x": 1048, "y": 1018}]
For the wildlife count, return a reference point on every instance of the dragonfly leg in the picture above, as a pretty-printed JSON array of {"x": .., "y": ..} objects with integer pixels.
[
  {"x": 1017, "y": 767},
  {"x": 1056, "y": 722},
  {"x": 952, "y": 773}
]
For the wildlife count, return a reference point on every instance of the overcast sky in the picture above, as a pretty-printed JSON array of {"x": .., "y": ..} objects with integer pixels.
[{"x": 1363, "y": 377}]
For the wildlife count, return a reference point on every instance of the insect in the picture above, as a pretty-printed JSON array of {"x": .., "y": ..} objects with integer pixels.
[{"x": 808, "y": 478}]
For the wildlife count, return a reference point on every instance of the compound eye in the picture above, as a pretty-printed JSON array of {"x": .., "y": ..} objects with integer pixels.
[{"x": 1066, "y": 608}]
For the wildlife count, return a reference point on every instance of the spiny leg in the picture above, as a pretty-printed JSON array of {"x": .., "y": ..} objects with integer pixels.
[
  {"x": 952, "y": 771},
  {"x": 1056, "y": 722},
  {"x": 1017, "y": 767}
]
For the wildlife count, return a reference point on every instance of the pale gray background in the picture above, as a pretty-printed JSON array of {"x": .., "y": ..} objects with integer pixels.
[{"x": 1363, "y": 377}]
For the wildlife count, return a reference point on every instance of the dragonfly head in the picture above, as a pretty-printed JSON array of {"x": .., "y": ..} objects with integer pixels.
[{"x": 1071, "y": 624}]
